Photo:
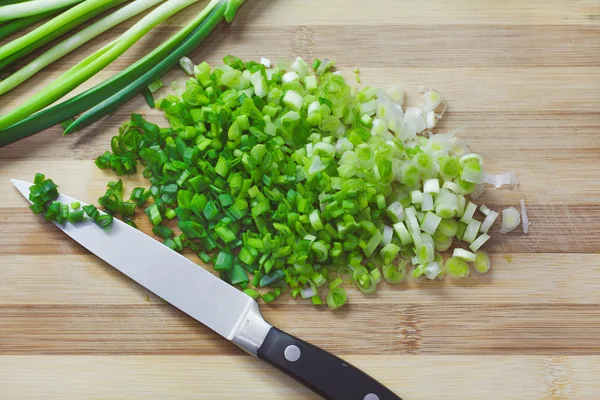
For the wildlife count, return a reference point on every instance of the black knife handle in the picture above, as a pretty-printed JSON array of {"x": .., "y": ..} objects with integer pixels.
[{"x": 324, "y": 373}]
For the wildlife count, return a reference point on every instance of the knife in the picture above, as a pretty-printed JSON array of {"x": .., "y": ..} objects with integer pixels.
[{"x": 218, "y": 305}]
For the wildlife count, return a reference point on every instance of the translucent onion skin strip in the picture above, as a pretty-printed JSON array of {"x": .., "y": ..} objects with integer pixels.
[
  {"x": 117, "y": 100},
  {"x": 34, "y": 7},
  {"x": 74, "y": 42},
  {"x": 91, "y": 97},
  {"x": 524, "y": 217},
  {"x": 75, "y": 77}
]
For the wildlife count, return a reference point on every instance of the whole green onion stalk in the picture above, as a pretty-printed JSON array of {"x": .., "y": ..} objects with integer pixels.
[
  {"x": 60, "y": 31},
  {"x": 82, "y": 102},
  {"x": 74, "y": 42},
  {"x": 94, "y": 63},
  {"x": 112, "y": 103},
  {"x": 50, "y": 26},
  {"x": 34, "y": 7},
  {"x": 16, "y": 25}
]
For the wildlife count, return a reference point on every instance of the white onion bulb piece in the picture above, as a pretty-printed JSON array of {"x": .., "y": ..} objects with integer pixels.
[
  {"x": 488, "y": 221},
  {"x": 307, "y": 292},
  {"x": 343, "y": 145},
  {"x": 323, "y": 66},
  {"x": 480, "y": 241},
  {"x": 397, "y": 95},
  {"x": 441, "y": 141},
  {"x": 464, "y": 254},
  {"x": 430, "y": 119},
  {"x": 290, "y": 77},
  {"x": 433, "y": 270},
  {"x": 187, "y": 65},
  {"x": 469, "y": 157},
  {"x": 511, "y": 218},
  {"x": 524, "y": 217},
  {"x": 414, "y": 116},
  {"x": 499, "y": 180},
  {"x": 266, "y": 62},
  {"x": 432, "y": 100},
  {"x": 388, "y": 234}
]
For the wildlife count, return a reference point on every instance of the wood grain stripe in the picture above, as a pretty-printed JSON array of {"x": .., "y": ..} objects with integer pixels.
[
  {"x": 512, "y": 139},
  {"x": 494, "y": 46},
  {"x": 74, "y": 280},
  {"x": 200, "y": 377},
  {"x": 449, "y": 328}
]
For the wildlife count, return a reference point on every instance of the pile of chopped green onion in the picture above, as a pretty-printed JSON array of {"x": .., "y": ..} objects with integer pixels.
[
  {"x": 66, "y": 15},
  {"x": 292, "y": 180}
]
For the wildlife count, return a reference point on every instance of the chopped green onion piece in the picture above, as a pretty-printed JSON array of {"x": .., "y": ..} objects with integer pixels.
[
  {"x": 468, "y": 214},
  {"x": 155, "y": 86},
  {"x": 238, "y": 275},
  {"x": 335, "y": 283},
  {"x": 204, "y": 257},
  {"x": 416, "y": 197},
  {"x": 489, "y": 220},
  {"x": 153, "y": 214},
  {"x": 402, "y": 233},
  {"x": 162, "y": 231},
  {"x": 393, "y": 274},
  {"x": 373, "y": 243},
  {"x": 431, "y": 186},
  {"x": 472, "y": 172},
  {"x": 336, "y": 297},
  {"x": 76, "y": 216},
  {"x": 448, "y": 227},
  {"x": 471, "y": 231},
  {"x": 91, "y": 211},
  {"x": 268, "y": 297},
  {"x": 482, "y": 262},
  {"x": 456, "y": 268},
  {"x": 252, "y": 293},
  {"x": 389, "y": 252},
  {"x": 425, "y": 254},
  {"x": 480, "y": 241},
  {"x": 224, "y": 261},
  {"x": 464, "y": 254},
  {"x": 430, "y": 222},
  {"x": 441, "y": 242},
  {"x": 511, "y": 218}
]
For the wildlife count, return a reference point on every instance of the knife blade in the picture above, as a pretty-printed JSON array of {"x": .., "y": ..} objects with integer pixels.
[{"x": 219, "y": 306}]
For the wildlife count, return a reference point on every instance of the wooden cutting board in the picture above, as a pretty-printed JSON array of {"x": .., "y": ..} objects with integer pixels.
[{"x": 523, "y": 83}]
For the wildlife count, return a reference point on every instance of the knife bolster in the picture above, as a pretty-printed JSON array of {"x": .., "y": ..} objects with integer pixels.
[{"x": 252, "y": 329}]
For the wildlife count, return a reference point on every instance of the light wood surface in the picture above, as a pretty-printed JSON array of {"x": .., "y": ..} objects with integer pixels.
[{"x": 523, "y": 83}]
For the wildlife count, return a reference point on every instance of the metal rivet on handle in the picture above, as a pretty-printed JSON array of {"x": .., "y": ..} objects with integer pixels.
[
  {"x": 371, "y": 396},
  {"x": 292, "y": 353}
]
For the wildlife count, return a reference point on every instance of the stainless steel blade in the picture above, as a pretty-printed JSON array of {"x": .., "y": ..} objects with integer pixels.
[{"x": 168, "y": 274}]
